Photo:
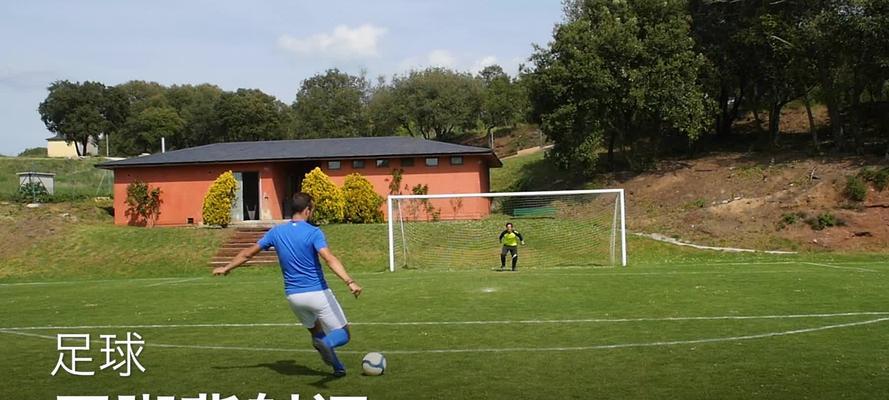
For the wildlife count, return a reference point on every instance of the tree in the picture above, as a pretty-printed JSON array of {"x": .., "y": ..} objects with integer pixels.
[
  {"x": 618, "y": 73},
  {"x": 81, "y": 112},
  {"x": 849, "y": 47},
  {"x": 250, "y": 115},
  {"x": 196, "y": 105},
  {"x": 331, "y": 105},
  {"x": 502, "y": 100},
  {"x": 130, "y": 137},
  {"x": 436, "y": 103},
  {"x": 146, "y": 129},
  {"x": 384, "y": 112}
]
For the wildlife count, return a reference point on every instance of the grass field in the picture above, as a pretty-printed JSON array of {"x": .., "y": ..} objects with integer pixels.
[
  {"x": 677, "y": 323},
  {"x": 75, "y": 178}
]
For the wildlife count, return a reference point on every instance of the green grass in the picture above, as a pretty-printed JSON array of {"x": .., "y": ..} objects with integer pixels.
[
  {"x": 74, "y": 178},
  {"x": 599, "y": 357},
  {"x": 535, "y": 172}
]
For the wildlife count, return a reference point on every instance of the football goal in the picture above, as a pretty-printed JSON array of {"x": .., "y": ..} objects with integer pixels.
[{"x": 572, "y": 228}]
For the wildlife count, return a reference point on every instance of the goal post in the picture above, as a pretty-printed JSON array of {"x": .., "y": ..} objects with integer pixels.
[{"x": 461, "y": 230}]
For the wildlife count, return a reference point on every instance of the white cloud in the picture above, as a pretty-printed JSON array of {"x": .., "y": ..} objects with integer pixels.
[
  {"x": 435, "y": 58},
  {"x": 441, "y": 58},
  {"x": 344, "y": 42},
  {"x": 482, "y": 63}
]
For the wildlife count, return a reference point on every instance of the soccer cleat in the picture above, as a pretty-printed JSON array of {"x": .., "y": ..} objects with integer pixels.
[
  {"x": 323, "y": 350},
  {"x": 339, "y": 373}
]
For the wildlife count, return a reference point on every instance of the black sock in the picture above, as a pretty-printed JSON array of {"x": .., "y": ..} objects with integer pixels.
[
  {"x": 502, "y": 261},
  {"x": 515, "y": 260}
]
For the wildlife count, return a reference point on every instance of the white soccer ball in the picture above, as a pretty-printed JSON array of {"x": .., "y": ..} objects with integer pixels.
[{"x": 374, "y": 364}]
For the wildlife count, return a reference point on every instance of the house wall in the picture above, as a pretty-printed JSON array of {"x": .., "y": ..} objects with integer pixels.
[
  {"x": 183, "y": 187},
  {"x": 62, "y": 149},
  {"x": 470, "y": 177}
]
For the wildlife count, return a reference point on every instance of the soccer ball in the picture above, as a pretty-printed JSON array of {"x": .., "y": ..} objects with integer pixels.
[{"x": 374, "y": 364}]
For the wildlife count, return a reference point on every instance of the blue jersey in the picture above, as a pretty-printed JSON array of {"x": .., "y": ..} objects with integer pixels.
[{"x": 297, "y": 244}]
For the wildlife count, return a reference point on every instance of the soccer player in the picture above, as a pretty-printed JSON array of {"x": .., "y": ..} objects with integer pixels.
[
  {"x": 510, "y": 239},
  {"x": 298, "y": 244}
]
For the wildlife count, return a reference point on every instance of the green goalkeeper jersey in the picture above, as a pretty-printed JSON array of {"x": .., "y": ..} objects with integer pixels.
[{"x": 511, "y": 239}]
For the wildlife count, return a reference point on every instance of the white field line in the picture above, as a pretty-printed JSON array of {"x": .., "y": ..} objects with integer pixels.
[
  {"x": 389, "y": 275},
  {"x": 840, "y": 267},
  {"x": 534, "y": 270},
  {"x": 523, "y": 349},
  {"x": 172, "y": 282},
  {"x": 85, "y": 281},
  {"x": 480, "y": 322}
]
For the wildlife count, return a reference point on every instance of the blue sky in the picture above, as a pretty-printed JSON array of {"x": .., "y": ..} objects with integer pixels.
[{"x": 269, "y": 45}]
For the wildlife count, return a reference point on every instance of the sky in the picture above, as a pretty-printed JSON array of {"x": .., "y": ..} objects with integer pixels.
[{"x": 269, "y": 45}]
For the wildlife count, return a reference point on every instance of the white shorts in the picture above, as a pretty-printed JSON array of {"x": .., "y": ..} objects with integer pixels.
[{"x": 311, "y": 307}]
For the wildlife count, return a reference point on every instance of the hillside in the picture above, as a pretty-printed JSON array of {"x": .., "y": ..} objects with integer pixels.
[
  {"x": 735, "y": 197},
  {"x": 75, "y": 178}
]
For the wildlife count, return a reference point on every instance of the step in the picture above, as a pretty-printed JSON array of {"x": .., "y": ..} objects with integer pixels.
[
  {"x": 252, "y": 229},
  {"x": 233, "y": 252},
  {"x": 214, "y": 264},
  {"x": 226, "y": 260}
]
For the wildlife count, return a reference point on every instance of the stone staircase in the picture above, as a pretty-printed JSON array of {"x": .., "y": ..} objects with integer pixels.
[{"x": 241, "y": 239}]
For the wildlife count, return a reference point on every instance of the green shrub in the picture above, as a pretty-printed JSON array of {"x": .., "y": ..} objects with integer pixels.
[
  {"x": 143, "y": 204},
  {"x": 824, "y": 220},
  {"x": 418, "y": 207},
  {"x": 217, "y": 208},
  {"x": 879, "y": 178},
  {"x": 329, "y": 200},
  {"x": 856, "y": 188},
  {"x": 34, "y": 152},
  {"x": 32, "y": 192},
  {"x": 362, "y": 201},
  {"x": 697, "y": 203},
  {"x": 790, "y": 219}
]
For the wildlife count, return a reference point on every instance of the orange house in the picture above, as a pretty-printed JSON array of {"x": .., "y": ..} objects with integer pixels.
[{"x": 270, "y": 172}]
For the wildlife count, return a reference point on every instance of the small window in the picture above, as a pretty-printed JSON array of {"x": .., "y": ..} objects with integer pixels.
[
  {"x": 432, "y": 162},
  {"x": 457, "y": 160},
  {"x": 407, "y": 162},
  {"x": 382, "y": 163},
  {"x": 357, "y": 164},
  {"x": 333, "y": 165}
]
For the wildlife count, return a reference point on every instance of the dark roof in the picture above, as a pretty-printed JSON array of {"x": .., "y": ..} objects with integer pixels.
[
  {"x": 56, "y": 138},
  {"x": 309, "y": 149}
]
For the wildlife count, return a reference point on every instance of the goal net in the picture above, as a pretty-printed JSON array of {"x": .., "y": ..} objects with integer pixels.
[{"x": 576, "y": 228}]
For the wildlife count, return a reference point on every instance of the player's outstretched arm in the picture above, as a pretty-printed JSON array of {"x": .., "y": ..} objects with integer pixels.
[
  {"x": 239, "y": 260},
  {"x": 337, "y": 267}
]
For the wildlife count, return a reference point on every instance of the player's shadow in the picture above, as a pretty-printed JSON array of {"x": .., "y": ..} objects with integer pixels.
[{"x": 283, "y": 367}]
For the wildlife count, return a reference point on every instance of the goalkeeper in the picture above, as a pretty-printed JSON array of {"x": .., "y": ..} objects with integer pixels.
[{"x": 510, "y": 239}]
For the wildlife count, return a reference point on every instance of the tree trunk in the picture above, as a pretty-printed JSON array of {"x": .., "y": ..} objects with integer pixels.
[
  {"x": 611, "y": 139},
  {"x": 721, "y": 129},
  {"x": 812, "y": 129},
  {"x": 775, "y": 122},
  {"x": 833, "y": 111},
  {"x": 757, "y": 119},
  {"x": 491, "y": 137}
]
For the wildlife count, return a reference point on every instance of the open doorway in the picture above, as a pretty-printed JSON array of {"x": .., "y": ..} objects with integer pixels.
[
  {"x": 250, "y": 187},
  {"x": 246, "y": 205},
  {"x": 295, "y": 174}
]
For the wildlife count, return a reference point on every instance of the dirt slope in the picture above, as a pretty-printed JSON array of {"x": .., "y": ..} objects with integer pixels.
[{"x": 737, "y": 200}]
